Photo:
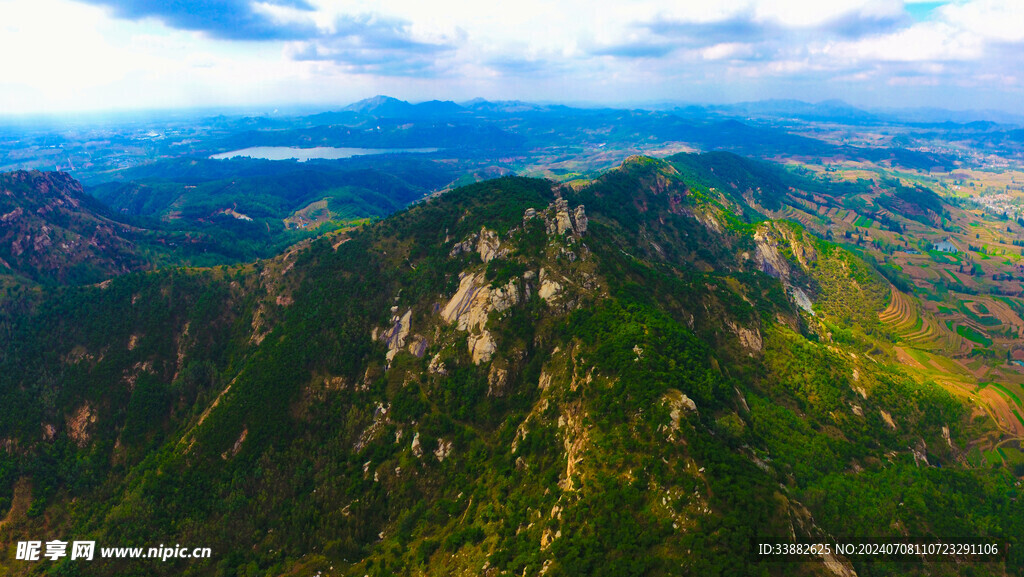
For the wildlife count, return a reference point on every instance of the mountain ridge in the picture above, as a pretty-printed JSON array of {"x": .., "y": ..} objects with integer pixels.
[
  {"x": 53, "y": 231},
  {"x": 515, "y": 376}
]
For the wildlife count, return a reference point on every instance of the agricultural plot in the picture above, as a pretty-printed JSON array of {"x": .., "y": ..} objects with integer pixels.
[
  {"x": 311, "y": 215},
  {"x": 1006, "y": 415},
  {"x": 915, "y": 328},
  {"x": 811, "y": 222},
  {"x": 965, "y": 317}
]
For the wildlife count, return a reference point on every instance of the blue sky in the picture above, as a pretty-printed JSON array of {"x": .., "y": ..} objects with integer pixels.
[{"x": 68, "y": 55}]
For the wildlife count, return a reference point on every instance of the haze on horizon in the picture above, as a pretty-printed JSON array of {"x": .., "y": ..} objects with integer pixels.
[{"x": 109, "y": 55}]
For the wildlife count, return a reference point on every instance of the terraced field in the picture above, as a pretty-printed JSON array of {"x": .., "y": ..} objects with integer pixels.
[
  {"x": 906, "y": 321},
  {"x": 809, "y": 221},
  {"x": 1007, "y": 412}
]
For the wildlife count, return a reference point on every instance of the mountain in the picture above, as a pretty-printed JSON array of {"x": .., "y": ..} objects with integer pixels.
[
  {"x": 51, "y": 231},
  {"x": 388, "y": 107},
  {"x": 640, "y": 375},
  {"x": 438, "y": 108},
  {"x": 195, "y": 194},
  {"x": 503, "y": 106},
  {"x": 190, "y": 212},
  {"x": 828, "y": 110},
  {"x": 934, "y": 115},
  {"x": 243, "y": 209},
  {"x": 380, "y": 105}
]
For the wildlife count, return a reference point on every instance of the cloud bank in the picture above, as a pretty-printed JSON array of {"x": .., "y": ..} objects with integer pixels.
[{"x": 873, "y": 51}]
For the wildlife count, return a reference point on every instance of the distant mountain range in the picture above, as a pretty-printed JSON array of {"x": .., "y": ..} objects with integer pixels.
[{"x": 827, "y": 110}]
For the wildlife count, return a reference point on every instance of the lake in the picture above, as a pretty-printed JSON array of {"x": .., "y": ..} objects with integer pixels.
[{"x": 304, "y": 154}]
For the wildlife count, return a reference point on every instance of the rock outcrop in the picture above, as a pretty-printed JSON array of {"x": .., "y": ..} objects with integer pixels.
[
  {"x": 471, "y": 304},
  {"x": 485, "y": 242},
  {"x": 396, "y": 335},
  {"x": 559, "y": 219}
]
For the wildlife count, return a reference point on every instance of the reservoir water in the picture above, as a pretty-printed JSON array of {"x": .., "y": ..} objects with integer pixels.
[{"x": 304, "y": 154}]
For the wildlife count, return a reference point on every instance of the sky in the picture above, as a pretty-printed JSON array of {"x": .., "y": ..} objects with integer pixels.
[{"x": 106, "y": 55}]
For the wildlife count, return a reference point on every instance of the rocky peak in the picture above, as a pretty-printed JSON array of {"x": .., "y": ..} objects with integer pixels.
[{"x": 559, "y": 219}]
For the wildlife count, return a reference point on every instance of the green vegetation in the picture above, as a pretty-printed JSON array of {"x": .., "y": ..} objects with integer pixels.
[
  {"x": 973, "y": 335},
  {"x": 1008, "y": 393},
  {"x": 666, "y": 405}
]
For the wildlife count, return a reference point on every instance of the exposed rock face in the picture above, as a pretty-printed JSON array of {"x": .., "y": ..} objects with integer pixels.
[
  {"x": 237, "y": 446},
  {"x": 481, "y": 347},
  {"x": 888, "y": 419},
  {"x": 376, "y": 427},
  {"x": 574, "y": 441},
  {"x": 485, "y": 242},
  {"x": 838, "y": 566},
  {"x": 418, "y": 346},
  {"x": 562, "y": 222},
  {"x": 461, "y": 308},
  {"x": 417, "y": 449},
  {"x": 564, "y": 219},
  {"x": 497, "y": 382},
  {"x": 706, "y": 219},
  {"x": 464, "y": 246},
  {"x": 444, "y": 448},
  {"x": 544, "y": 382},
  {"x": 772, "y": 263},
  {"x": 920, "y": 453},
  {"x": 469, "y": 308},
  {"x": 475, "y": 300},
  {"x": 489, "y": 246},
  {"x": 580, "y": 216},
  {"x": 549, "y": 289},
  {"x": 504, "y": 297},
  {"x": 436, "y": 366},
  {"x": 749, "y": 338},
  {"x": 678, "y": 404},
  {"x": 768, "y": 257},
  {"x": 78, "y": 424},
  {"x": 396, "y": 335},
  {"x": 801, "y": 299}
]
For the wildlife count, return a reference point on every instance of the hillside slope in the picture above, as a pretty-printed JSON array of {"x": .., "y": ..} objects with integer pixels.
[
  {"x": 637, "y": 377},
  {"x": 51, "y": 230}
]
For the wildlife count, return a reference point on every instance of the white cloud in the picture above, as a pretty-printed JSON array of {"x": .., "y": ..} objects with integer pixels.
[
  {"x": 72, "y": 55},
  {"x": 924, "y": 42},
  {"x": 998, "y": 20},
  {"x": 726, "y": 50},
  {"x": 808, "y": 13}
]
